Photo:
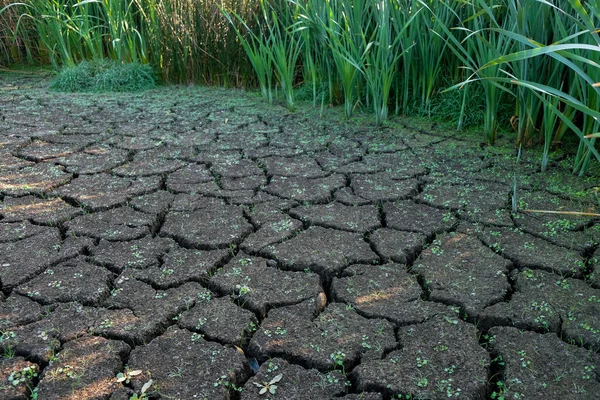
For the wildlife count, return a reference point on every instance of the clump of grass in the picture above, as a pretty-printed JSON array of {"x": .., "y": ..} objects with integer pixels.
[{"x": 104, "y": 76}]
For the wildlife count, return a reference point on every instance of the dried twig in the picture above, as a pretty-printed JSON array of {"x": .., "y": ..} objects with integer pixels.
[{"x": 582, "y": 214}]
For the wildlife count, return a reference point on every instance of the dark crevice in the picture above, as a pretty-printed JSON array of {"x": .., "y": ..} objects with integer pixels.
[
  {"x": 73, "y": 202},
  {"x": 248, "y": 219},
  {"x": 382, "y": 215},
  {"x": 562, "y": 335},
  {"x": 174, "y": 285},
  {"x": 426, "y": 290},
  {"x": 162, "y": 185},
  {"x": 420, "y": 185},
  {"x": 497, "y": 372},
  {"x": 190, "y": 245},
  {"x": 382, "y": 258},
  {"x": 158, "y": 223},
  {"x": 437, "y": 206},
  {"x": 586, "y": 249},
  {"x": 367, "y": 239}
]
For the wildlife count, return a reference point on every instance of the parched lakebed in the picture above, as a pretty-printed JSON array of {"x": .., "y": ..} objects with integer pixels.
[{"x": 197, "y": 243}]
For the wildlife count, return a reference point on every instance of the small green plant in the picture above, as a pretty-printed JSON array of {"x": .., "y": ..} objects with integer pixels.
[
  {"x": 68, "y": 371},
  {"x": 280, "y": 331},
  {"x": 365, "y": 344},
  {"x": 440, "y": 347},
  {"x": 421, "y": 362},
  {"x": 270, "y": 386},
  {"x": 5, "y": 336},
  {"x": 126, "y": 375},
  {"x": 17, "y": 378},
  {"x": 160, "y": 295},
  {"x": 222, "y": 380},
  {"x": 105, "y": 324},
  {"x": 498, "y": 394},
  {"x": 271, "y": 367},
  {"x": 445, "y": 385},
  {"x": 176, "y": 373},
  {"x": 563, "y": 283},
  {"x": 588, "y": 372},
  {"x": 143, "y": 392},
  {"x": 338, "y": 360},
  {"x": 423, "y": 382},
  {"x": 9, "y": 353},
  {"x": 204, "y": 295},
  {"x": 524, "y": 361},
  {"x": 242, "y": 289},
  {"x": 437, "y": 251},
  {"x": 450, "y": 369},
  {"x": 252, "y": 326}
]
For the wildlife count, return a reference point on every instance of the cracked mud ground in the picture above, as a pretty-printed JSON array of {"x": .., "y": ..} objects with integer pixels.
[{"x": 213, "y": 243}]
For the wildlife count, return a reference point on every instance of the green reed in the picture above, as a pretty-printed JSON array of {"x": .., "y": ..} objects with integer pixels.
[{"x": 539, "y": 58}]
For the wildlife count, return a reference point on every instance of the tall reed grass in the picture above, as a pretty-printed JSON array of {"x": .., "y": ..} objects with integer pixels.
[
  {"x": 185, "y": 40},
  {"x": 566, "y": 83},
  {"x": 540, "y": 58}
]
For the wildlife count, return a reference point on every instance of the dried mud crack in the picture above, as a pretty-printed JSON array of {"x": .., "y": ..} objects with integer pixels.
[{"x": 232, "y": 247}]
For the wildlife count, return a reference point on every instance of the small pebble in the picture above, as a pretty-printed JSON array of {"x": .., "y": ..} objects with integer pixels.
[{"x": 321, "y": 302}]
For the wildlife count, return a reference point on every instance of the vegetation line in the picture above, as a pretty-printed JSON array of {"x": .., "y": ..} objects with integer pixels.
[{"x": 475, "y": 62}]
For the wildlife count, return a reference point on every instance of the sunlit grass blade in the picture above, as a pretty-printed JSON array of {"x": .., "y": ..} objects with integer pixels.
[
  {"x": 259, "y": 52},
  {"x": 286, "y": 46}
]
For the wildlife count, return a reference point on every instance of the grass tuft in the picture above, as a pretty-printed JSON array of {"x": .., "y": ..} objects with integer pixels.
[{"x": 104, "y": 76}]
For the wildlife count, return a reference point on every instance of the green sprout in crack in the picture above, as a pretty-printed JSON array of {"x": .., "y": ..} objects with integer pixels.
[
  {"x": 242, "y": 289},
  {"x": 143, "y": 392},
  {"x": 270, "y": 386},
  {"x": 126, "y": 375},
  {"x": 498, "y": 394},
  {"x": 222, "y": 380},
  {"x": 338, "y": 359}
]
